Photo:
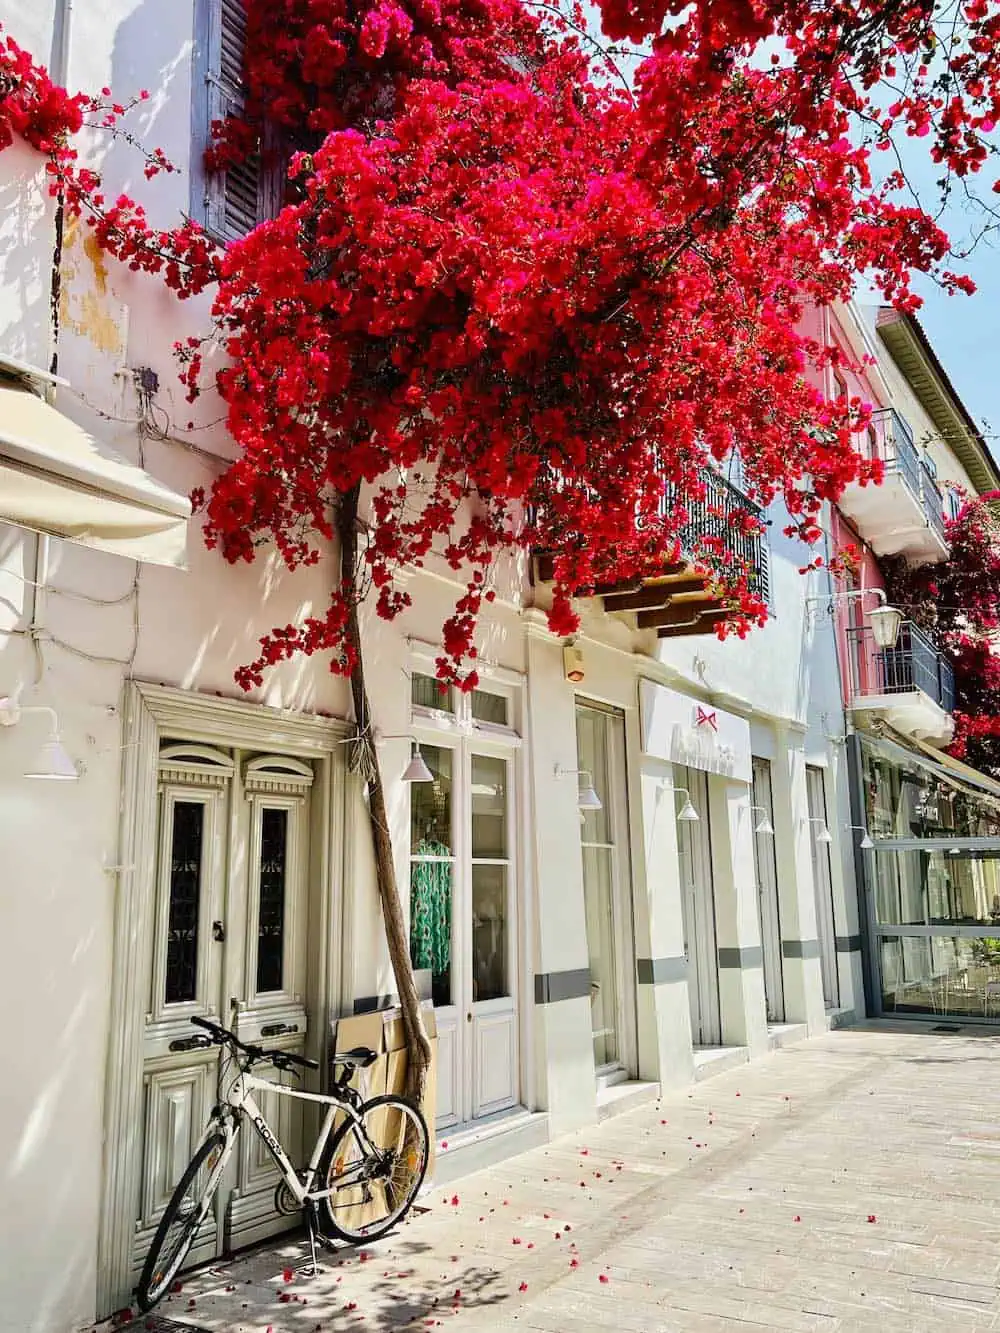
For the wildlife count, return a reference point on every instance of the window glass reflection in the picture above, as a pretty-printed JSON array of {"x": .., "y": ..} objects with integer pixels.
[
  {"x": 910, "y": 801},
  {"x": 918, "y": 888},
  {"x": 946, "y": 975}
]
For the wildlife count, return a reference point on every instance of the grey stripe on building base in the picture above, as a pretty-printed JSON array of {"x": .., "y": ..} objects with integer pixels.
[
  {"x": 550, "y": 987},
  {"x": 657, "y": 971},
  {"x": 750, "y": 957},
  {"x": 848, "y": 943},
  {"x": 800, "y": 948}
]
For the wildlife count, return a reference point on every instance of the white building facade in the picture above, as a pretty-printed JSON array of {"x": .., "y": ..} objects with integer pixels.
[{"x": 212, "y": 855}]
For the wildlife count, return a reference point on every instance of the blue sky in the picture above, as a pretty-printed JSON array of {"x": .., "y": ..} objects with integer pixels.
[{"x": 965, "y": 332}]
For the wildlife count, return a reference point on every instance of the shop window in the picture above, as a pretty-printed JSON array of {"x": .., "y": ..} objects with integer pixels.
[
  {"x": 429, "y": 693},
  {"x": 432, "y": 872},
  {"x": 490, "y": 708}
]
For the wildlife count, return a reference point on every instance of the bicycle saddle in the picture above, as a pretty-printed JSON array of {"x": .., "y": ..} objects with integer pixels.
[{"x": 360, "y": 1058}]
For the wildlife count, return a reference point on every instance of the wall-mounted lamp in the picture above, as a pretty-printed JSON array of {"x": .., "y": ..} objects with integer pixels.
[
  {"x": 416, "y": 770},
  {"x": 763, "y": 825},
  {"x": 866, "y": 843},
  {"x": 885, "y": 620},
  {"x": 587, "y": 798},
  {"x": 51, "y": 762},
  {"x": 824, "y": 835},
  {"x": 687, "y": 813}
]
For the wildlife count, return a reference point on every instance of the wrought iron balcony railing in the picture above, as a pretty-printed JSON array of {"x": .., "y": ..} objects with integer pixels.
[
  {"x": 718, "y": 516},
  {"x": 891, "y": 440},
  {"x": 914, "y": 664},
  {"x": 711, "y": 517}
]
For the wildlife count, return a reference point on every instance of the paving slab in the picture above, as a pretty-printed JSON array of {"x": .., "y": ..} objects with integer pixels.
[{"x": 848, "y": 1184}]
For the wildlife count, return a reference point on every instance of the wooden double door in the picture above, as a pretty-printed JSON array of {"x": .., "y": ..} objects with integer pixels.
[{"x": 229, "y": 935}]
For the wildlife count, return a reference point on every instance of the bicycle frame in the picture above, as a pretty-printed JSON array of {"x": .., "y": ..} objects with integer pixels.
[{"x": 239, "y": 1099}]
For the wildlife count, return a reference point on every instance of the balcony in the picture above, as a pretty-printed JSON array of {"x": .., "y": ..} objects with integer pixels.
[
  {"x": 678, "y": 600},
  {"x": 912, "y": 685},
  {"x": 903, "y": 516}
]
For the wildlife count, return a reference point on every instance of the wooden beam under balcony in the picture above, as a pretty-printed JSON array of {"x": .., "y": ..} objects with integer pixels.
[
  {"x": 703, "y": 623},
  {"x": 545, "y": 573},
  {"x": 659, "y": 592},
  {"x": 685, "y": 606}
]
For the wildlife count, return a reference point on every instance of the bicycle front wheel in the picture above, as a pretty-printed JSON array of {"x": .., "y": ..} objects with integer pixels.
[
  {"x": 375, "y": 1169},
  {"x": 181, "y": 1219}
]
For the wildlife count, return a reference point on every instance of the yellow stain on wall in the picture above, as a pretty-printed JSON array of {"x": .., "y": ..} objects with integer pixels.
[{"x": 86, "y": 306}]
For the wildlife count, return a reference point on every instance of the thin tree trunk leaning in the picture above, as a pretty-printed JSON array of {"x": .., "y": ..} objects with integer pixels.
[{"x": 418, "y": 1046}]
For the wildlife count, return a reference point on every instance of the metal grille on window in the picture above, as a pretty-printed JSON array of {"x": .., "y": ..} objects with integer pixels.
[
  {"x": 187, "y": 838},
  {"x": 271, "y": 915}
]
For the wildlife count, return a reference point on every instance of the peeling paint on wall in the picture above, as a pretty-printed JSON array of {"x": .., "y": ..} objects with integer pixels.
[{"x": 87, "y": 305}]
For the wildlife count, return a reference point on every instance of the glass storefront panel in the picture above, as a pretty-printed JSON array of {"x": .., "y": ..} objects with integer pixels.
[
  {"x": 911, "y": 800},
  {"x": 918, "y": 888},
  {"x": 489, "y": 932},
  {"x": 948, "y": 975},
  {"x": 432, "y": 868}
]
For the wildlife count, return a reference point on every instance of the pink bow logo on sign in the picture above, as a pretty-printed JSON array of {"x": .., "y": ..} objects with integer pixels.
[{"x": 703, "y": 716}]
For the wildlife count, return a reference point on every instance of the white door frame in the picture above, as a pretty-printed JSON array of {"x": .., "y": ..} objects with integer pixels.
[
  {"x": 698, "y": 906},
  {"x": 616, "y": 799},
  {"x": 464, "y": 1022},
  {"x": 768, "y": 908},
  {"x": 826, "y": 919},
  {"x": 149, "y": 713}
]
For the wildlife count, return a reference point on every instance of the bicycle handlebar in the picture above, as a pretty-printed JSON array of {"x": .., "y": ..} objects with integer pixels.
[{"x": 223, "y": 1037}]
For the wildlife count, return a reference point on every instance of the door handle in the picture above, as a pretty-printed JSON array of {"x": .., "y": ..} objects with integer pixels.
[
  {"x": 468, "y": 1016},
  {"x": 278, "y": 1029},
  {"x": 218, "y": 932}
]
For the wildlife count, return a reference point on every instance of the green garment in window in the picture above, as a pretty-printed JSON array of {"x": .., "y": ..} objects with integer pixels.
[{"x": 430, "y": 909}]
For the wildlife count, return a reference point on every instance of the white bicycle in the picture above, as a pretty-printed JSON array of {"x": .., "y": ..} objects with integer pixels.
[{"x": 364, "y": 1175}]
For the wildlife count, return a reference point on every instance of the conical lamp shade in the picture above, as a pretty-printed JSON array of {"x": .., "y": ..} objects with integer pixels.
[
  {"x": 866, "y": 843},
  {"x": 588, "y": 799},
  {"x": 765, "y": 827},
  {"x": 688, "y": 813},
  {"x": 824, "y": 835},
  {"x": 416, "y": 770},
  {"x": 53, "y": 763}
]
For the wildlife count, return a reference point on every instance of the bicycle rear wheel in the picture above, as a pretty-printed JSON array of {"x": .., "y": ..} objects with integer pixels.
[
  {"x": 181, "y": 1219},
  {"x": 378, "y": 1184}
]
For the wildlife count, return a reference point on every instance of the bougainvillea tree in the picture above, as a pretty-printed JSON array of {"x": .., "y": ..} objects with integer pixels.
[
  {"x": 958, "y": 602},
  {"x": 514, "y": 302}
]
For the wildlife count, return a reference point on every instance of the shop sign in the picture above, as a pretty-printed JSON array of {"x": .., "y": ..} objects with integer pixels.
[{"x": 682, "y": 730}]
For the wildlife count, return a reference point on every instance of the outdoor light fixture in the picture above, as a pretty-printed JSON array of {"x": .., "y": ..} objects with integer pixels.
[
  {"x": 885, "y": 620},
  {"x": 51, "y": 761},
  {"x": 866, "y": 843},
  {"x": 587, "y": 798},
  {"x": 687, "y": 814},
  {"x": 763, "y": 825},
  {"x": 416, "y": 770},
  {"x": 824, "y": 835}
]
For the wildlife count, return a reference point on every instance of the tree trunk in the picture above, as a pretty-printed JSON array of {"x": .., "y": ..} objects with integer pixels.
[{"x": 418, "y": 1046}]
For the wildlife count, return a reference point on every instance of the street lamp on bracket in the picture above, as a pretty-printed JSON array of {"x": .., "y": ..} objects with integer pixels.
[{"x": 885, "y": 620}]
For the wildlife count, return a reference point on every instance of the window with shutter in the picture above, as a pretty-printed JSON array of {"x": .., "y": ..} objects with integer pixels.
[{"x": 248, "y": 192}]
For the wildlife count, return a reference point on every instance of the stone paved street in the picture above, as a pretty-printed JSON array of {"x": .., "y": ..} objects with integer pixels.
[{"x": 848, "y": 1183}]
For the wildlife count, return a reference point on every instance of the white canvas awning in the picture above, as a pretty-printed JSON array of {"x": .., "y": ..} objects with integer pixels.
[{"x": 56, "y": 478}]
